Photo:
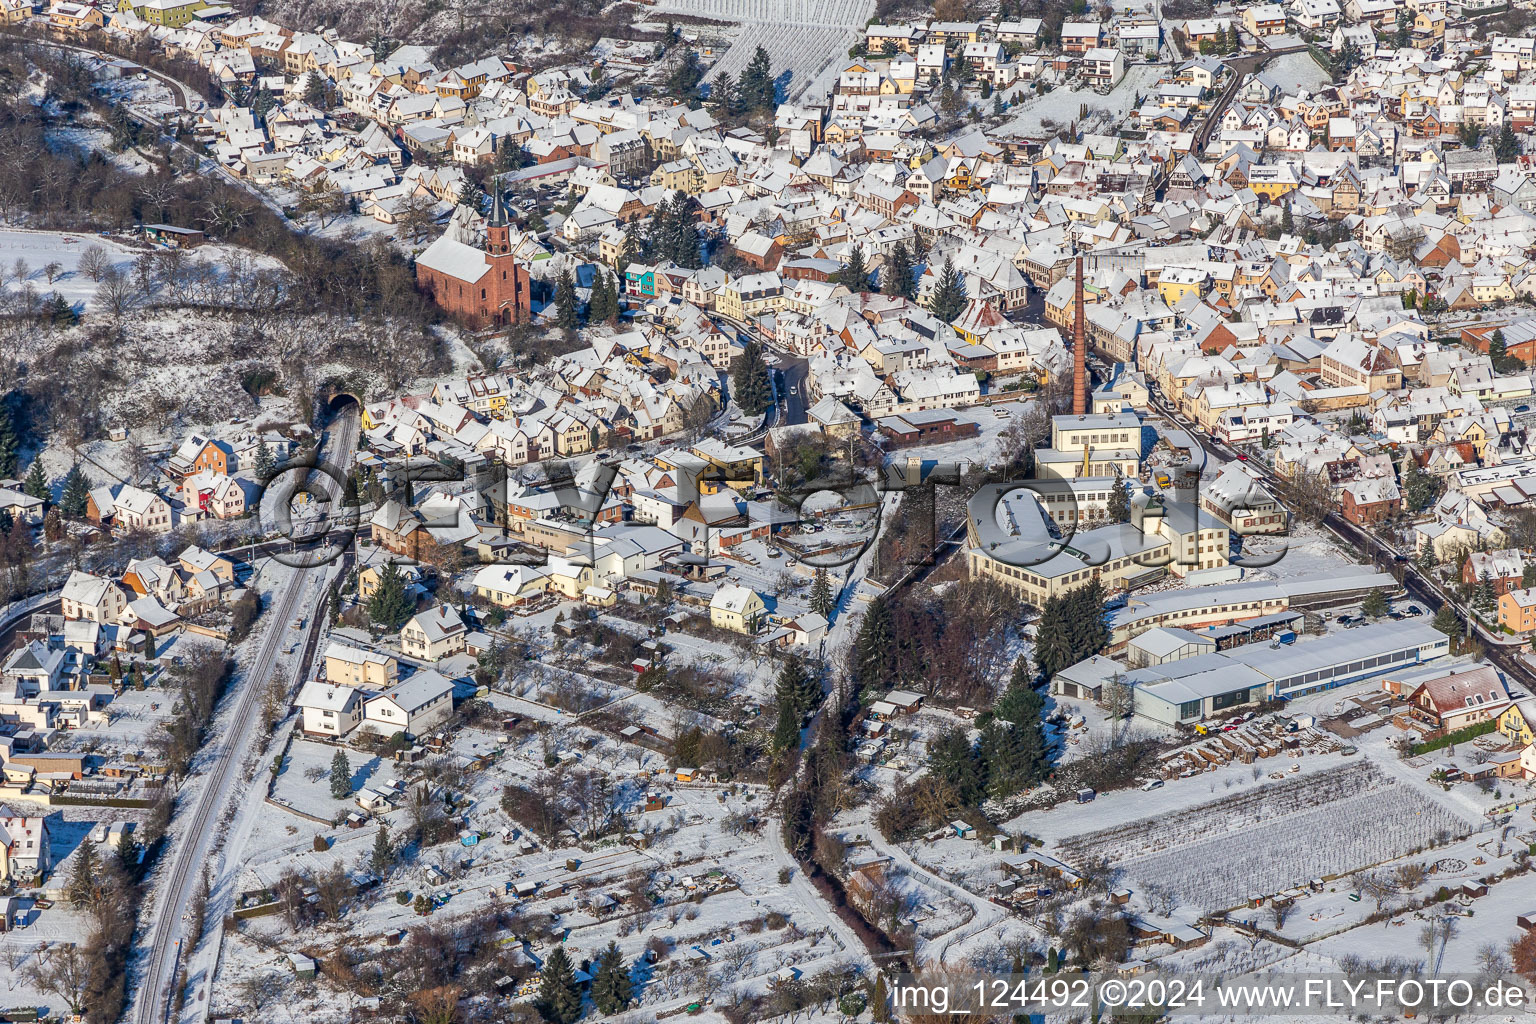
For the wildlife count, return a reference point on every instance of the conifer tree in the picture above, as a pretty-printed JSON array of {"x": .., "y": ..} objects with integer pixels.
[
  {"x": 947, "y": 301},
  {"x": 872, "y": 646},
  {"x": 611, "y": 989},
  {"x": 749, "y": 379},
  {"x": 36, "y": 484},
  {"x": 786, "y": 728},
  {"x": 265, "y": 463},
  {"x": 85, "y": 886},
  {"x": 1094, "y": 631},
  {"x": 683, "y": 234},
  {"x": 10, "y": 444},
  {"x": 1006, "y": 756},
  {"x": 1118, "y": 508},
  {"x": 1021, "y": 678},
  {"x": 383, "y": 853},
  {"x": 821, "y": 594},
  {"x": 597, "y": 306},
  {"x": 722, "y": 94},
  {"x": 1507, "y": 147},
  {"x": 341, "y": 776},
  {"x": 855, "y": 275},
  {"x": 756, "y": 87},
  {"x": 797, "y": 689},
  {"x": 896, "y": 274},
  {"x": 1053, "y": 642},
  {"x": 77, "y": 492},
  {"x": 567, "y": 316},
  {"x": 953, "y": 758},
  {"x": 389, "y": 606},
  {"x": 559, "y": 999},
  {"x": 629, "y": 250}
]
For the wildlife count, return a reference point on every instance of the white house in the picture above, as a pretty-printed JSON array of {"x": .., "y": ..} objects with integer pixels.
[
  {"x": 93, "y": 598},
  {"x": 206, "y": 493},
  {"x": 329, "y": 709},
  {"x": 434, "y": 634},
  {"x": 138, "y": 510},
  {"x": 24, "y": 852},
  {"x": 416, "y": 706}
]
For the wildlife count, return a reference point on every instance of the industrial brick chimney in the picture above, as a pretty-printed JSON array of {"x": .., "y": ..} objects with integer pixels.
[{"x": 1079, "y": 348}]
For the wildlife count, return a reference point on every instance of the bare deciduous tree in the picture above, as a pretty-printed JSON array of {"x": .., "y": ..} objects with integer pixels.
[
  {"x": 66, "y": 973},
  {"x": 95, "y": 262}
]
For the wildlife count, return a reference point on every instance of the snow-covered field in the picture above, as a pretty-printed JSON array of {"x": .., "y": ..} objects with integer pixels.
[
  {"x": 305, "y": 780},
  {"x": 981, "y": 449},
  {"x": 1305, "y": 551},
  {"x": 1297, "y": 71},
  {"x": 1063, "y": 106},
  {"x": 25, "y": 257}
]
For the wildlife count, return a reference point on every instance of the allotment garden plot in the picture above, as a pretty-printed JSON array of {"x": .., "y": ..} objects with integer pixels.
[{"x": 1218, "y": 854}]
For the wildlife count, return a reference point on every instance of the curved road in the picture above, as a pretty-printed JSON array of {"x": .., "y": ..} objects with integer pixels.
[{"x": 182, "y": 96}]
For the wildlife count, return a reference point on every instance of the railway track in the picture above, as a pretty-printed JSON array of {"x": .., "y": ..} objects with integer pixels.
[
  {"x": 167, "y": 942},
  {"x": 155, "y": 989}
]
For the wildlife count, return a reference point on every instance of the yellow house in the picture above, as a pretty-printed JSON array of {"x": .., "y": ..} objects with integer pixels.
[
  {"x": 572, "y": 436},
  {"x": 1473, "y": 431},
  {"x": 1518, "y": 722},
  {"x": 569, "y": 578},
  {"x": 732, "y": 463},
  {"x": 510, "y": 586},
  {"x": 678, "y": 176},
  {"x": 170, "y": 13},
  {"x": 75, "y": 18},
  {"x": 737, "y": 609},
  {"x": 922, "y": 156},
  {"x": 743, "y": 298},
  {"x": 959, "y": 179},
  {"x": 1176, "y": 282},
  {"x": 600, "y": 597},
  {"x": 352, "y": 666},
  {"x": 1491, "y": 287},
  {"x": 1429, "y": 23},
  {"x": 1272, "y": 180},
  {"x": 368, "y": 578}
]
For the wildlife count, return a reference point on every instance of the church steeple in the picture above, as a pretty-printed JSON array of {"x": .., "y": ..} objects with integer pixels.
[{"x": 497, "y": 227}]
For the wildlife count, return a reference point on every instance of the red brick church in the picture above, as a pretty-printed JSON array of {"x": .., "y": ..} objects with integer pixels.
[{"x": 485, "y": 286}]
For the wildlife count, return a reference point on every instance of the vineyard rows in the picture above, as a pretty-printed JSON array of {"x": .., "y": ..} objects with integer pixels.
[
  {"x": 801, "y": 37},
  {"x": 1216, "y": 855}
]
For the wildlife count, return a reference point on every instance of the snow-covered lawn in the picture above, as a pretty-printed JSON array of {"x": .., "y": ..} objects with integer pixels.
[{"x": 296, "y": 789}]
